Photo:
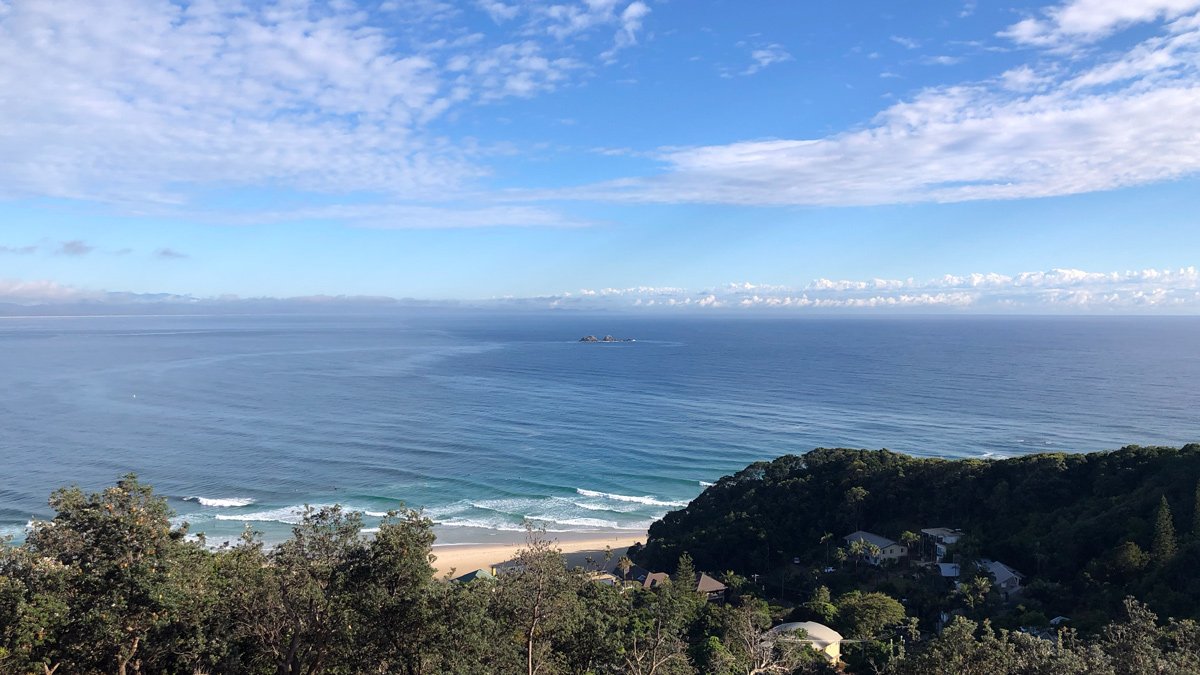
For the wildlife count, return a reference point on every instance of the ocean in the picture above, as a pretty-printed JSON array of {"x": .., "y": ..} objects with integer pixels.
[{"x": 486, "y": 421}]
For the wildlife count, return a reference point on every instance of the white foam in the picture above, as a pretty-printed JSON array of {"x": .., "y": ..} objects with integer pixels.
[
  {"x": 704, "y": 483},
  {"x": 290, "y": 515},
  {"x": 15, "y": 530},
  {"x": 217, "y": 502},
  {"x": 648, "y": 500}
]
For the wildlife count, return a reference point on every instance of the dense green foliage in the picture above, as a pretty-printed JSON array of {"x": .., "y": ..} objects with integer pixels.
[
  {"x": 108, "y": 586},
  {"x": 1078, "y": 525}
]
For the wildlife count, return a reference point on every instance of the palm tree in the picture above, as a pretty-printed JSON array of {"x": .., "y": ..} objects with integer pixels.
[
  {"x": 873, "y": 551},
  {"x": 624, "y": 564},
  {"x": 827, "y": 538},
  {"x": 857, "y": 550}
]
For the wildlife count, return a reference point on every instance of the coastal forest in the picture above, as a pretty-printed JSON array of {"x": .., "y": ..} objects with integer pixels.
[
  {"x": 1108, "y": 544},
  {"x": 1086, "y": 530}
]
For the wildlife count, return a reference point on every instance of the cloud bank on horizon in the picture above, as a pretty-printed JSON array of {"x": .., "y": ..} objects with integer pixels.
[{"x": 1062, "y": 290}]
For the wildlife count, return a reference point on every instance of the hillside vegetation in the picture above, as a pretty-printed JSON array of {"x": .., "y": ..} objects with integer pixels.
[
  {"x": 1086, "y": 529},
  {"x": 109, "y": 586}
]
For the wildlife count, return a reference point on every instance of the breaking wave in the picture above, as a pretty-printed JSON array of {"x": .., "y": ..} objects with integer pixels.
[
  {"x": 228, "y": 502},
  {"x": 290, "y": 515},
  {"x": 647, "y": 500}
]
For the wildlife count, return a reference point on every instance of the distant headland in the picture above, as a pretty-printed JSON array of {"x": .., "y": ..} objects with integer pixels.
[{"x": 606, "y": 338}]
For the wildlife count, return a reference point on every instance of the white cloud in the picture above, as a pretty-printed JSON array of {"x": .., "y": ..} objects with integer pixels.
[
  {"x": 1055, "y": 290},
  {"x": 1067, "y": 127},
  {"x": 386, "y": 216},
  {"x": 147, "y": 101},
  {"x": 499, "y": 11},
  {"x": 38, "y": 292},
  {"x": 1091, "y": 20},
  {"x": 767, "y": 56},
  {"x": 1061, "y": 289},
  {"x": 1049, "y": 291}
]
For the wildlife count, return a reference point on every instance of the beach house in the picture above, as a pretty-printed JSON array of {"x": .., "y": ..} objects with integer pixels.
[
  {"x": 935, "y": 540},
  {"x": 888, "y": 549}
]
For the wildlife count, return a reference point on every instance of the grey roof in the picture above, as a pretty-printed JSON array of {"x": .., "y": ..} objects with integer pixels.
[
  {"x": 869, "y": 537},
  {"x": 942, "y": 532},
  {"x": 1001, "y": 572},
  {"x": 949, "y": 570}
]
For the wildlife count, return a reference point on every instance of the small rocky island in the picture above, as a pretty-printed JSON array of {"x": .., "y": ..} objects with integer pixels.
[{"x": 606, "y": 338}]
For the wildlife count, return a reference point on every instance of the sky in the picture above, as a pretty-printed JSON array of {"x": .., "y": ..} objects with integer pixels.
[{"x": 645, "y": 155}]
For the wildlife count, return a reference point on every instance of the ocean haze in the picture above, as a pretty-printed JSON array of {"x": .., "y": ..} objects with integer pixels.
[{"x": 485, "y": 421}]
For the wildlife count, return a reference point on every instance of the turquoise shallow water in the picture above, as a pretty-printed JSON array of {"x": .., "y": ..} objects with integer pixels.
[{"x": 489, "y": 420}]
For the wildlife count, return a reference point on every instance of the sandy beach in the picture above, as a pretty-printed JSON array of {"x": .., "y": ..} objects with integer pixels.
[{"x": 577, "y": 547}]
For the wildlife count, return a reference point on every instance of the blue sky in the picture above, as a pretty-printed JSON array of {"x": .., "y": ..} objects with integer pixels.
[{"x": 694, "y": 154}]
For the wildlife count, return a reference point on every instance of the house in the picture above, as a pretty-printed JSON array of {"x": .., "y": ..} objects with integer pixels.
[
  {"x": 654, "y": 579},
  {"x": 488, "y": 575},
  {"x": 636, "y": 574},
  {"x": 821, "y": 637},
  {"x": 938, "y": 539},
  {"x": 888, "y": 549},
  {"x": 712, "y": 589},
  {"x": 604, "y": 578},
  {"x": 949, "y": 570},
  {"x": 1007, "y": 580}
]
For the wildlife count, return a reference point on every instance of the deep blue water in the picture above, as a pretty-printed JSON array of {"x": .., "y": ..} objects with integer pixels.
[{"x": 485, "y": 421}]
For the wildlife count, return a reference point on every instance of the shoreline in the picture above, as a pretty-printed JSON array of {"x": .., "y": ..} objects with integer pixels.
[{"x": 455, "y": 559}]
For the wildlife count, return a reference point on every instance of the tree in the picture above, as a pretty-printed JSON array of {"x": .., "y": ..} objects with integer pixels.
[
  {"x": 751, "y": 650},
  {"x": 655, "y": 641},
  {"x": 857, "y": 550},
  {"x": 820, "y": 606},
  {"x": 535, "y": 599},
  {"x": 399, "y": 630},
  {"x": 685, "y": 573},
  {"x": 1196, "y": 513},
  {"x": 975, "y": 591},
  {"x": 1125, "y": 562},
  {"x": 117, "y": 552},
  {"x": 624, "y": 564},
  {"x": 1164, "y": 545},
  {"x": 910, "y": 540},
  {"x": 853, "y": 500},
  {"x": 296, "y": 601},
  {"x": 34, "y": 612},
  {"x": 866, "y": 615}
]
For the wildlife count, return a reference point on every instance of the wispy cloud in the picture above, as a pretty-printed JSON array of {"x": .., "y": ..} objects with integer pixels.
[
  {"x": 765, "y": 56},
  {"x": 1083, "y": 21},
  {"x": 75, "y": 247},
  {"x": 499, "y": 11},
  {"x": 140, "y": 103},
  {"x": 399, "y": 216},
  {"x": 170, "y": 254},
  {"x": 1060, "y": 126},
  {"x": 17, "y": 250}
]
